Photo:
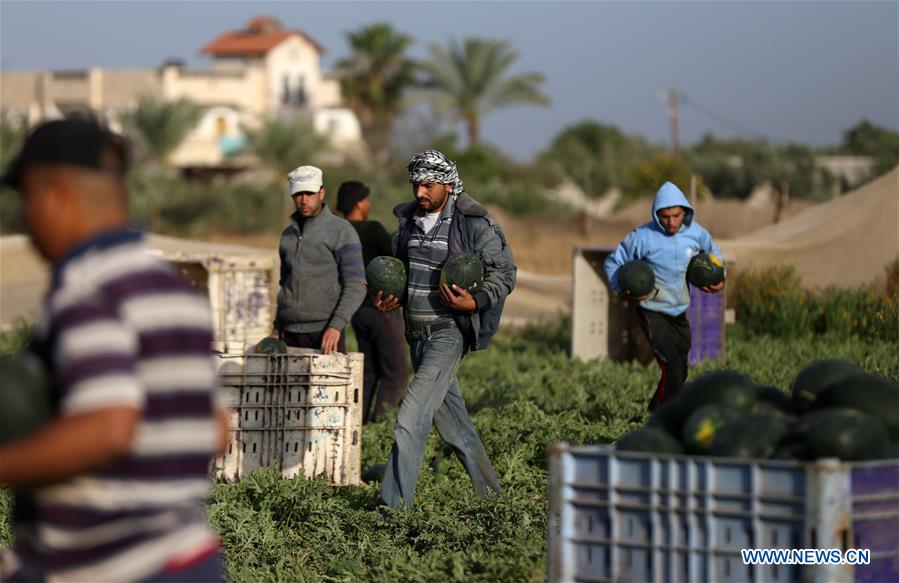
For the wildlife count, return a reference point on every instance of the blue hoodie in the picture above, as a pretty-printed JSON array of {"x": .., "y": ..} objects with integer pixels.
[{"x": 669, "y": 255}]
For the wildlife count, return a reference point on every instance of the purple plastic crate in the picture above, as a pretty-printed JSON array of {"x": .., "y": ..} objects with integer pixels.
[
  {"x": 875, "y": 521},
  {"x": 706, "y": 317}
]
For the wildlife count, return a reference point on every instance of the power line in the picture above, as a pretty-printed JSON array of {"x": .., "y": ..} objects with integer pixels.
[{"x": 718, "y": 117}]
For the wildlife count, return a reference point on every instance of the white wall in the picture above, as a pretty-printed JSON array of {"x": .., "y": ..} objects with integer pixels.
[{"x": 294, "y": 58}]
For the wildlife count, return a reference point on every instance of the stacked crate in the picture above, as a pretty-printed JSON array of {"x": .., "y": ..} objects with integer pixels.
[{"x": 301, "y": 410}]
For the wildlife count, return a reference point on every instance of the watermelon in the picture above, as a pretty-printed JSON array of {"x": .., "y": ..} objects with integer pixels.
[
  {"x": 817, "y": 378},
  {"x": 892, "y": 451},
  {"x": 650, "y": 440},
  {"x": 803, "y": 424},
  {"x": 464, "y": 270},
  {"x": 636, "y": 278},
  {"x": 25, "y": 402},
  {"x": 668, "y": 417},
  {"x": 270, "y": 346},
  {"x": 791, "y": 450},
  {"x": 728, "y": 388},
  {"x": 387, "y": 275},
  {"x": 773, "y": 398},
  {"x": 705, "y": 269},
  {"x": 374, "y": 473},
  {"x": 702, "y": 425},
  {"x": 848, "y": 435},
  {"x": 871, "y": 394},
  {"x": 754, "y": 435}
]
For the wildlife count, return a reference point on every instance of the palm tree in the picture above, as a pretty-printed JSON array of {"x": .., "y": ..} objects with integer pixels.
[
  {"x": 375, "y": 77},
  {"x": 160, "y": 126},
  {"x": 470, "y": 80}
]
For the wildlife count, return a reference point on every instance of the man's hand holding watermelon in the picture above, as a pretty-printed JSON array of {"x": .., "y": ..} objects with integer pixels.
[
  {"x": 457, "y": 298},
  {"x": 385, "y": 303}
]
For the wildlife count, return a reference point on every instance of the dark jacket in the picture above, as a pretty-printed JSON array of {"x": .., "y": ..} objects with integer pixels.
[{"x": 472, "y": 231}]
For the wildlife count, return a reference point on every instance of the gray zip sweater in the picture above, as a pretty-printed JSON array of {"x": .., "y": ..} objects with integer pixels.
[{"x": 322, "y": 274}]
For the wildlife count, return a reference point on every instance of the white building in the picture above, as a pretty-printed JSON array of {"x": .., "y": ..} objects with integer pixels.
[{"x": 260, "y": 72}]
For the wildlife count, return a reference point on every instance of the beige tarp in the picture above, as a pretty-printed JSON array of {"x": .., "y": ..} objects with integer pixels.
[{"x": 845, "y": 242}]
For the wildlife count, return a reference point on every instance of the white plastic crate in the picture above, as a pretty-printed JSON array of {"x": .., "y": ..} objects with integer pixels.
[
  {"x": 239, "y": 288},
  {"x": 637, "y": 517},
  {"x": 301, "y": 409}
]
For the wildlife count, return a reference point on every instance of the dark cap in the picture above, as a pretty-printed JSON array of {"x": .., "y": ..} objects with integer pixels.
[
  {"x": 72, "y": 142},
  {"x": 349, "y": 193}
]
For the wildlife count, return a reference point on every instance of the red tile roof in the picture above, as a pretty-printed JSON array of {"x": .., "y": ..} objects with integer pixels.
[{"x": 261, "y": 35}]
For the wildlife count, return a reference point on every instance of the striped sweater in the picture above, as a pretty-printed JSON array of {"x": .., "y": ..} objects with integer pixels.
[
  {"x": 428, "y": 251},
  {"x": 120, "y": 328},
  {"x": 322, "y": 274}
]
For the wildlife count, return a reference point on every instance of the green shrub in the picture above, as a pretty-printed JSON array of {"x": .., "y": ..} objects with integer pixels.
[{"x": 773, "y": 301}]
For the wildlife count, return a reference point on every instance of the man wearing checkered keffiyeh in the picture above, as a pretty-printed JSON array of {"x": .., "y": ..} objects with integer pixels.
[
  {"x": 443, "y": 323},
  {"x": 434, "y": 166}
]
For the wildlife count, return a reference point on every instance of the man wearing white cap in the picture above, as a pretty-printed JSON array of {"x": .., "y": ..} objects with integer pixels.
[{"x": 322, "y": 273}]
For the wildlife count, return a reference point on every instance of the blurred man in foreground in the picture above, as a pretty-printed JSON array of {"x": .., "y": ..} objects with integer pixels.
[{"x": 116, "y": 482}]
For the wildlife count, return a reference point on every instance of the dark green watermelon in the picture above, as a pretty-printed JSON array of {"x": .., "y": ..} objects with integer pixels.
[
  {"x": 25, "y": 401},
  {"x": 728, "y": 388},
  {"x": 871, "y": 394},
  {"x": 637, "y": 278},
  {"x": 775, "y": 399},
  {"x": 848, "y": 435},
  {"x": 464, "y": 270},
  {"x": 754, "y": 435},
  {"x": 668, "y": 416},
  {"x": 650, "y": 440},
  {"x": 374, "y": 473},
  {"x": 270, "y": 346},
  {"x": 703, "y": 424},
  {"x": 387, "y": 275},
  {"x": 705, "y": 269},
  {"x": 892, "y": 451},
  {"x": 801, "y": 425},
  {"x": 817, "y": 378},
  {"x": 772, "y": 409},
  {"x": 791, "y": 450}
]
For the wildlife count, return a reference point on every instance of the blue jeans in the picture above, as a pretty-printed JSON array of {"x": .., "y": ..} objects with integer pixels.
[{"x": 434, "y": 397}]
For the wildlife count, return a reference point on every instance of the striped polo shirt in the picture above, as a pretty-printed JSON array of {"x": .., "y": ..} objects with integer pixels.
[
  {"x": 121, "y": 328},
  {"x": 427, "y": 253}
]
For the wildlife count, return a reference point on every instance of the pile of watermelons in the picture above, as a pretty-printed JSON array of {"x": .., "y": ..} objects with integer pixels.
[{"x": 835, "y": 410}]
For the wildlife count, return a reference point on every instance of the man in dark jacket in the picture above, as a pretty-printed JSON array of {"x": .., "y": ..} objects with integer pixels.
[
  {"x": 322, "y": 275},
  {"x": 379, "y": 334},
  {"x": 442, "y": 324}
]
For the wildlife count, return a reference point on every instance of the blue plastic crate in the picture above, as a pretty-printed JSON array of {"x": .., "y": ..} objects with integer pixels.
[{"x": 642, "y": 517}]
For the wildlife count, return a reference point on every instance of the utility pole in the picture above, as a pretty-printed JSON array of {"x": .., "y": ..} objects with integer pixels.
[{"x": 672, "y": 117}]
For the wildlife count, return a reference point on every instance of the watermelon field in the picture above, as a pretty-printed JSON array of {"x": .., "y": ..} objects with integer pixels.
[{"x": 524, "y": 393}]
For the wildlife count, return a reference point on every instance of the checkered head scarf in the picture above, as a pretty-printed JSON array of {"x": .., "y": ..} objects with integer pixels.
[{"x": 433, "y": 166}]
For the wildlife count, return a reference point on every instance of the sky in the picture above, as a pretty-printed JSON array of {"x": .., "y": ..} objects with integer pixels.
[{"x": 787, "y": 71}]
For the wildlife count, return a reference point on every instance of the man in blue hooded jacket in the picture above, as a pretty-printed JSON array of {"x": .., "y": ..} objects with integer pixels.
[{"x": 667, "y": 242}]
